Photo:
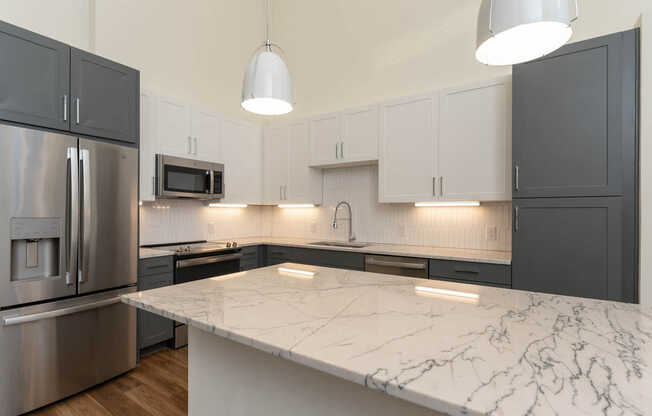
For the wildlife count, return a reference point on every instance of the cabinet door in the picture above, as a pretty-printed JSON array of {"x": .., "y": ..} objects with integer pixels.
[
  {"x": 205, "y": 132},
  {"x": 568, "y": 121},
  {"x": 152, "y": 328},
  {"x": 276, "y": 162},
  {"x": 569, "y": 246},
  {"x": 406, "y": 168},
  {"x": 148, "y": 144},
  {"x": 35, "y": 80},
  {"x": 243, "y": 162},
  {"x": 105, "y": 97},
  {"x": 325, "y": 139},
  {"x": 360, "y": 134},
  {"x": 474, "y": 152},
  {"x": 304, "y": 183},
  {"x": 174, "y": 128}
]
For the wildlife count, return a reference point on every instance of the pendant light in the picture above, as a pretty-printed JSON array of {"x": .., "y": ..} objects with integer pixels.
[
  {"x": 515, "y": 31},
  {"x": 267, "y": 86}
]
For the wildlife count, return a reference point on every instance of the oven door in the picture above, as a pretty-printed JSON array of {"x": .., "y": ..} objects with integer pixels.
[
  {"x": 196, "y": 268},
  {"x": 183, "y": 178}
]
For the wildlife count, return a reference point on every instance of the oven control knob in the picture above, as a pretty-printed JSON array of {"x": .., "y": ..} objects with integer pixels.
[
  {"x": 228, "y": 244},
  {"x": 234, "y": 244}
]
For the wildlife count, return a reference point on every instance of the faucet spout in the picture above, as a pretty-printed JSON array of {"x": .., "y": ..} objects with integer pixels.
[{"x": 350, "y": 218}]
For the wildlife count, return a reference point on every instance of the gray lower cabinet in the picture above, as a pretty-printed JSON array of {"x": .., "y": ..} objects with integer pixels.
[
  {"x": 105, "y": 97},
  {"x": 251, "y": 258},
  {"x": 470, "y": 272},
  {"x": 570, "y": 246},
  {"x": 154, "y": 273},
  {"x": 315, "y": 257},
  {"x": 35, "y": 78},
  {"x": 574, "y": 110}
]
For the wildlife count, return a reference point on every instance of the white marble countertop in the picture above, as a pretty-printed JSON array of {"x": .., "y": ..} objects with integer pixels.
[
  {"x": 481, "y": 351},
  {"x": 440, "y": 253}
]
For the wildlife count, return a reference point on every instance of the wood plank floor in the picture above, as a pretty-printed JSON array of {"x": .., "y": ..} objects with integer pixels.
[{"x": 158, "y": 386}]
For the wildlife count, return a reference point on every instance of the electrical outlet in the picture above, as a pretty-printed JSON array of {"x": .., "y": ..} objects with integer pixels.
[{"x": 492, "y": 233}]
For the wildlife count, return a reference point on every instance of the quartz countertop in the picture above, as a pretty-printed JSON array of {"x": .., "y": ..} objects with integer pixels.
[
  {"x": 147, "y": 253},
  {"x": 439, "y": 253},
  {"x": 476, "y": 350}
]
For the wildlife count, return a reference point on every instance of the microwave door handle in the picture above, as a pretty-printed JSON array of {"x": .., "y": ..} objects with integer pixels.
[
  {"x": 86, "y": 213},
  {"x": 211, "y": 181},
  {"x": 73, "y": 220}
]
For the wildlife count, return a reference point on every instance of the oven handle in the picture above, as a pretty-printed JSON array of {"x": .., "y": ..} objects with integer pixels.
[{"x": 182, "y": 264}]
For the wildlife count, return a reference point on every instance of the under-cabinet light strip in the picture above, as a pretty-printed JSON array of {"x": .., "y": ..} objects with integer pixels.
[
  {"x": 296, "y": 205},
  {"x": 221, "y": 205},
  {"x": 448, "y": 204}
]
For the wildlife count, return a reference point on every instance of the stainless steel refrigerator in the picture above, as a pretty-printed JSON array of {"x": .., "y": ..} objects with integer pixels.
[{"x": 68, "y": 250}]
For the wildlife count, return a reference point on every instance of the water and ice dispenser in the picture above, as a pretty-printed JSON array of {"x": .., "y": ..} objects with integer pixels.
[{"x": 35, "y": 248}]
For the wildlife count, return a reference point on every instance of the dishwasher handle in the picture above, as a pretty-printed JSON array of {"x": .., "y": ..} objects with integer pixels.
[
  {"x": 398, "y": 264},
  {"x": 182, "y": 264}
]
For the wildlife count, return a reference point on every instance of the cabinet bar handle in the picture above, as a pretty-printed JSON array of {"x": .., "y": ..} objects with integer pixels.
[
  {"x": 195, "y": 145},
  {"x": 441, "y": 186},
  {"x": 434, "y": 186},
  {"x": 77, "y": 105},
  {"x": 516, "y": 218},
  {"x": 337, "y": 150},
  {"x": 516, "y": 177},
  {"x": 65, "y": 107},
  {"x": 341, "y": 150},
  {"x": 189, "y": 145}
]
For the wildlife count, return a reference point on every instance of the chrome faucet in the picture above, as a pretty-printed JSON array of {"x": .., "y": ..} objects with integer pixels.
[{"x": 351, "y": 236}]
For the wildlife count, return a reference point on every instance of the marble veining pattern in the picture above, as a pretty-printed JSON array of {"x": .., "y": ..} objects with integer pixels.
[{"x": 505, "y": 353}]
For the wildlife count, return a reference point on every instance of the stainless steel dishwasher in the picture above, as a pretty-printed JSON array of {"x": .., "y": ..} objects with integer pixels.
[{"x": 400, "y": 266}]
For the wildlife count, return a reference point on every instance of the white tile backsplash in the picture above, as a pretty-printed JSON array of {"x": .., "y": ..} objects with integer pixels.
[{"x": 181, "y": 220}]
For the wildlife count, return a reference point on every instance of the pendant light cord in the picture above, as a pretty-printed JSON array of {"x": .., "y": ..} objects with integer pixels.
[{"x": 268, "y": 42}]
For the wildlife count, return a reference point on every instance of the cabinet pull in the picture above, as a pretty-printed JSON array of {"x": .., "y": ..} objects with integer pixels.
[
  {"x": 337, "y": 150},
  {"x": 280, "y": 192},
  {"x": 516, "y": 218},
  {"x": 195, "y": 145},
  {"x": 285, "y": 192},
  {"x": 341, "y": 150},
  {"x": 441, "y": 186},
  {"x": 65, "y": 107},
  {"x": 77, "y": 105},
  {"x": 189, "y": 145},
  {"x": 516, "y": 179},
  {"x": 434, "y": 186}
]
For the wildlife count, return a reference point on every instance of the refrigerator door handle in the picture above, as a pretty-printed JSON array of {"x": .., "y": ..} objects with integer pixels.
[
  {"x": 86, "y": 215},
  {"x": 73, "y": 209},
  {"x": 23, "y": 319}
]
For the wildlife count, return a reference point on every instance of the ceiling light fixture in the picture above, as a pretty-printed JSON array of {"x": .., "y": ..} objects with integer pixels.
[
  {"x": 448, "y": 204},
  {"x": 515, "y": 31},
  {"x": 267, "y": 85}
]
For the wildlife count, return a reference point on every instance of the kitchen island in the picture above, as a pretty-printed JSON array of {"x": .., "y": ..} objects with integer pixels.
[{"x": 294, "y": 339}]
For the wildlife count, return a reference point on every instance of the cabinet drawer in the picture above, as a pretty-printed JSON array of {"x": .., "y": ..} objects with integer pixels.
[
  {"x": 155, "y": 265},
  {"x": 471, "y": 283},
  {"x": 250, "y": 258},
  {"x": 154, "y": 281},
  {"x": 471, "y": 272}
]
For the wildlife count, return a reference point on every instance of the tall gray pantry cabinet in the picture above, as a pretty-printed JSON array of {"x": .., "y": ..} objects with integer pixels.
[{"x": 575, "y": 166}]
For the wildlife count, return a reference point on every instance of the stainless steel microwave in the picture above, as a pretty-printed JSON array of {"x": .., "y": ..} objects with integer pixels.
[{"x": 178, "y": 177}]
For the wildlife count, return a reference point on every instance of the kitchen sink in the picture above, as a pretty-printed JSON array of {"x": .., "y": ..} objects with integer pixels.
[{"x": 339, "y": 244}]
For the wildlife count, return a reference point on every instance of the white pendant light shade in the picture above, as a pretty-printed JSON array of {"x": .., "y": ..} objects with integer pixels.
[
  {"x": 267, "y": 86},
  {"x": 516, "y": 31}
]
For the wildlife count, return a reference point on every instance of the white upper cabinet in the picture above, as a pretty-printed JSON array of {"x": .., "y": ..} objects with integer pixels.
[
  {"x": 304, "y": 183},
  {"x": 205, "y": 136},
  {"x": 407, "y": 165},
  {"x": 276, "y": 156},
  {"x": 173, "y": 125},
  {"x": 148, "y": 144},
  {"x": 360, "y": 131},
  {"x": 242, "y": 155},
  {"x": 325, "y": 139},
  {"x": 345, "y": 139},
  {"x": 474, "y": 148}
]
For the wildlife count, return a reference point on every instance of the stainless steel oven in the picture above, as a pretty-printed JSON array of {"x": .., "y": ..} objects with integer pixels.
[{"x": 178, "y": 177}]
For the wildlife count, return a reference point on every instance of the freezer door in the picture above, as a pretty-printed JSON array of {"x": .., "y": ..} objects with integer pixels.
[
  {"x": 108, "y": 249},
  {"x": 54, "y": 350},
  {"x": 38, "y": 215}
]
